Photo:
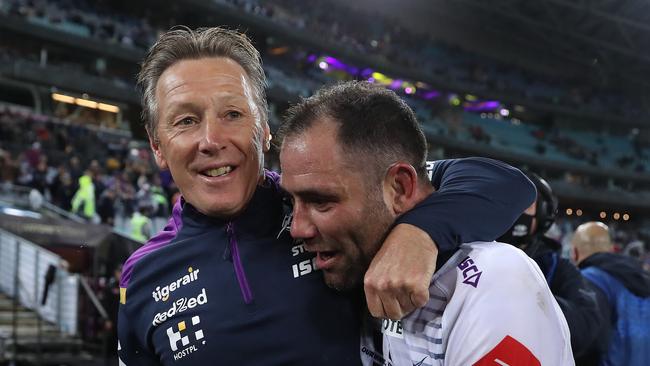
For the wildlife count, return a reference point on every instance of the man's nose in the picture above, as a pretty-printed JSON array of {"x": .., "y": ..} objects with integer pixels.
[
  {"x": 213, "y": 136},
  {"x": 301, "y": 225}
]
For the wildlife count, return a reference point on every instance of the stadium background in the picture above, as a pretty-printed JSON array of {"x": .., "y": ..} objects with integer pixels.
[{"x": 554, "y": 86}]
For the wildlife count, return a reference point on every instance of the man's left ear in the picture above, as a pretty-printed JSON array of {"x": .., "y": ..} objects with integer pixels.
[{"x": 400, "y": 187}]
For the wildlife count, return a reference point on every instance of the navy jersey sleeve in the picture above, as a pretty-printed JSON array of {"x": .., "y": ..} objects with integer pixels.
[
  {"x": 476, "y": 199},
  {"x": 130, "y": 349}
]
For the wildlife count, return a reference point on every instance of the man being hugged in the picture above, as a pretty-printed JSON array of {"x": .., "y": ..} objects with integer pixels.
[{"x": 224, "y": 283}]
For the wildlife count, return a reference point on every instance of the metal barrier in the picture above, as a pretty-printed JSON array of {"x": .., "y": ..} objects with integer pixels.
[{"x": 23, "y": 271}]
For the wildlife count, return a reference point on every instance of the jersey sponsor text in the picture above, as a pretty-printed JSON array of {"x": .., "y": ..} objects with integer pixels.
[
  {"x": 392, "y": 328},
  {"x": 163, "y": 293},
  {"x": 179, "y": 306}
]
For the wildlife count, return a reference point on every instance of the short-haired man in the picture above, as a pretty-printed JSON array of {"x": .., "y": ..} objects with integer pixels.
[
  {"x": 224, "y": 282},
  {"x": 351, "y": 158},
  {"x": 623, "y": 291}
]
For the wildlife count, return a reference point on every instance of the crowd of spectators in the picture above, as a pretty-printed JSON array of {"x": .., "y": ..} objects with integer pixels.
[
  {"x": 364, "y": 34},
  {"x": 356, "y": 30},
  {"x": 554, "y": 141},
  {"x": 368, "y": 33},
  {"x": 52, "y": 155},
  {"x": 566, "y": 145},
  {"x": 87, "y": 18}
]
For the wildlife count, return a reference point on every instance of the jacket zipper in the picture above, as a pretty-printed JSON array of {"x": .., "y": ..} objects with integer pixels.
[{"x": 239, "y": 268}]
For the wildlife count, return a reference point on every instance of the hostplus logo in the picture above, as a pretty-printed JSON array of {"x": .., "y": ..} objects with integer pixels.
[
  {"x": 188, "y": 338},
  {"x": 162, "y": 293}
]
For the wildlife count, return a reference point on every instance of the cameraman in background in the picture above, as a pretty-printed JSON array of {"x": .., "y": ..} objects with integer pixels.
[{"x": 573, "y": 293}]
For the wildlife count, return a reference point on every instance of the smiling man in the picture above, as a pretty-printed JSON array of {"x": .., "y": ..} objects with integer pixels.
[
  {"x": 225, "y": 283},
  {"x": 352, "y": 159}
]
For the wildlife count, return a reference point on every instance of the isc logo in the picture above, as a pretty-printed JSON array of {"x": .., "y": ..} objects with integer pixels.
[{"x": 471, "y": 274}]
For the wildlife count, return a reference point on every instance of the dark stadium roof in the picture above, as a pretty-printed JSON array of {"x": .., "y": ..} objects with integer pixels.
[
  {"x": 607, "y": 40},
  {"x": 610, "y": 35}
]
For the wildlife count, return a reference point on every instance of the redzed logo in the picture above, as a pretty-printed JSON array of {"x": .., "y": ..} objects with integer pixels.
[
  {"x": 509, "y": 352},
  {"x": 471, "y": 274}
]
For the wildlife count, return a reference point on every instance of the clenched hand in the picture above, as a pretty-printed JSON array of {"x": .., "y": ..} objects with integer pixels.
[{"x": 398, "y": 279}]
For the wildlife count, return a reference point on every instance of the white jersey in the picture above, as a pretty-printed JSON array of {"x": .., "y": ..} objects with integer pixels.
[{"x": 489, "y": 305}]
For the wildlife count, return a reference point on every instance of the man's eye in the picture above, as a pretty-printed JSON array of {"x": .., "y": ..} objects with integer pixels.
[
  {"x": 233, "y": 115},
  {"x": 321, "y": 205},
  {"x": 187, "y": 121}
]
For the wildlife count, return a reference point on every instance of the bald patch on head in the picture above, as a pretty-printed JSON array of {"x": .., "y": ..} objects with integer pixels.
[{"x": 590, "y": 238}]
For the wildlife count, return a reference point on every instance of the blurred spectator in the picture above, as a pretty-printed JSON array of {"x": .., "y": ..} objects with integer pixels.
[
  {"x": 141, "y": 224},
  {"x": 8, "y": 167},
  {"x": 479, "y": 135},
  {"x": 84, "y": 198},
  {"x": 573, "y": 293},
  {"x": 39, "y": 175},
  {"x": 106, "y": 207},
  {"x": 623, "y": 290},
  {"x": 62, "y": 188}
]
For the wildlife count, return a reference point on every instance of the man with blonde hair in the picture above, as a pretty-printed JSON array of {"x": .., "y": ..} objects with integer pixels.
[{"x": 623, "y": 292}]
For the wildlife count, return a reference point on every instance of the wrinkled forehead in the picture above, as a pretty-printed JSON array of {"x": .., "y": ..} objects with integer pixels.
[{"x": 203, "y": 72}]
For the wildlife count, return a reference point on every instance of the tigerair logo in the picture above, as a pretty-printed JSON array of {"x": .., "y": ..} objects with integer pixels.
[
  {"x": 185, "y": 336},
  {"x": 164, "y": 292}
]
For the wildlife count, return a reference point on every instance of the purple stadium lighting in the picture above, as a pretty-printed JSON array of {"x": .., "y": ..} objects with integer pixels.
[
  {"x": 430, "y": 94},
  {"x": 481, "y": 106},
  {"x": 396, "y": 84},
  {"x": 335, "y": 63},
  {"x": 329, "y": 63}
]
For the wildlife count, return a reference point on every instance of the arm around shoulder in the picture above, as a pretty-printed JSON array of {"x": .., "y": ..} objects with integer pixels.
[{"x": 477, "y": 199}]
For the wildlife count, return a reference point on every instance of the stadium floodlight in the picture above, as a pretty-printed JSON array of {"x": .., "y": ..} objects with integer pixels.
[
  {"x": 85, "y": 102},
  {"x": 108, "y": 107},
  {"x": 63, "y": 98}
]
